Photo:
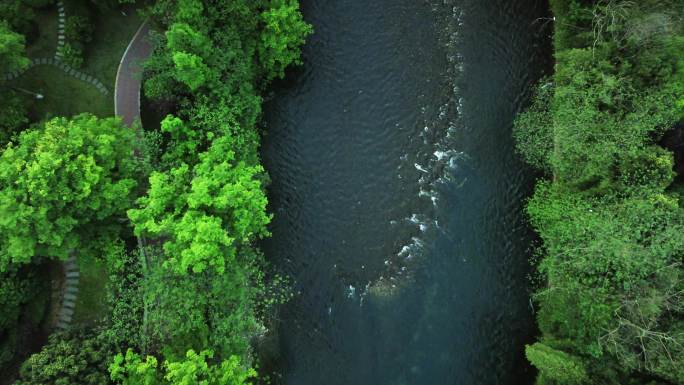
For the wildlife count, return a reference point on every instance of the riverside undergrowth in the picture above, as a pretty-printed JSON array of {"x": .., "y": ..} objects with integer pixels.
[{"x": 609, "y": 209}]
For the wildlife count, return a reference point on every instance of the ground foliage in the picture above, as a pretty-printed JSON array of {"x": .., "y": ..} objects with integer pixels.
[
  {"x": 187, "y": 287},
  {"x": 206, "y": 206},
  {"x": 612, "y": 225}
]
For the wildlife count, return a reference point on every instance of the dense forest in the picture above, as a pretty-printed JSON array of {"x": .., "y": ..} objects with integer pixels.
[
  {"x": 170, "y": 213},
  {"x": 150, "y": 232},
  {"x": 605, "y": 130}
]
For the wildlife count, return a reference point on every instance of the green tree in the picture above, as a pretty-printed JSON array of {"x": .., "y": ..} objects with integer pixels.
[
  {"x": 69, "y": 358},
  {"x": 193, "y": 369},
  {"x": 190, "y": 69},
  {"x": 285, "y": 31},
  {"x": 65, "y": 185},
  {"x": 204, "y": 213},
  {"x": 190, "y": 51},
  {"x": 18, "y": 14},
  {"x": 610, "y": 218},
  {"x": 12, "y": 50},
  {"x": 221, "y": 317}
]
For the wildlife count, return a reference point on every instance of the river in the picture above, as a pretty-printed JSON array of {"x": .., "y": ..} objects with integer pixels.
[{"x": 397, "y": 194}]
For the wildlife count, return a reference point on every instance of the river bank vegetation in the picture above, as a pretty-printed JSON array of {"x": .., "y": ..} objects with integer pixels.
[
  {"x": 606, "y": 132},
  {"x": 167, "y": 215}
]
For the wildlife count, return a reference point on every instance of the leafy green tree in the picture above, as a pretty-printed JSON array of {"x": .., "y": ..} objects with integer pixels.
[
  {"x": 183, "y": 37},
  {"x": 610, "y": 218},
  {"x": 190, "y": 69},
  {"x": 193, "y": 369},
  {"x": 12, "y": 50},
  {"x": 132, "y": 370},
  {"x": 284, "y": 33},
  {"x": 190, "y": 50},
  {"x": 65, "y": 185},
  {"x": 204, "y": 213},
  {"x": 556, "y": 365},
  {"x": 221, "y": 318}
]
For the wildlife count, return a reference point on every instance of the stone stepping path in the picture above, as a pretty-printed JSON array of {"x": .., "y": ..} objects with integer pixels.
[
  {"x": 57, "y": 59},
  {"x": 71, "y": 279},
  {"x": 59, "y": 54},
  {"x": 66, "y": 69}
]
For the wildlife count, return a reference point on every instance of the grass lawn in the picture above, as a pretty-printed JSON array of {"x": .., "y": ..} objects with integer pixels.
[
  {"x": 63, "y": 95},
  {"x": 66, "y": 95},
  {"x": 45, "y": 43},
  {"x": 91, "y": 305}
]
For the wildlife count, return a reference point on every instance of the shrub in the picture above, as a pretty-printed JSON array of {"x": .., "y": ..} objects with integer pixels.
[
  {"x": 556, "y": 365},
  {"x": 533, "y": 129},
  {"x": 78, "y": 29},
  {"x": 72, "y": 55},
  {"x": 69, "y": 358}
]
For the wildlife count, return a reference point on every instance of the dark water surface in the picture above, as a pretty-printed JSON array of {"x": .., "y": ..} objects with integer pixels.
[{"x": 397, "y": 195}]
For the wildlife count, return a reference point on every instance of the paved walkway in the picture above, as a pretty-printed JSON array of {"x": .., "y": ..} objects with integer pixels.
[{"x": 129, "y": 76}]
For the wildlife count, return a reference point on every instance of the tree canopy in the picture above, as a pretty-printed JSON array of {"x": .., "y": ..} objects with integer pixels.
[
  {"x": 204, "y": 212},
  {"x": 609, "y": 214},
  {"x": 193, "y": 369},
  {"x": 12, "y": 50},
  {"x": 64, "y": 186}
]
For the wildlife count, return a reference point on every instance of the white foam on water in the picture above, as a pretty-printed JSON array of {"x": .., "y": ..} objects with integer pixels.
[
  {"x": 439, "y": 129},
  {"x": 440, "y": 154},
  {"x": 351, "y": 291}
]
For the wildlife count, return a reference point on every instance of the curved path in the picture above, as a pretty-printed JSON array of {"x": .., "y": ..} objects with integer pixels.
[{"x": 129, "y": 76}]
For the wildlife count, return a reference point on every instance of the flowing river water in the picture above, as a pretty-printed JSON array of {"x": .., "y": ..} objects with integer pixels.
[{"x": 397, "y": 194}]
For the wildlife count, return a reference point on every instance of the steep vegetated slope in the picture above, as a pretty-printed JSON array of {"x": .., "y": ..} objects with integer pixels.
[{"x": 609, "y": 212}]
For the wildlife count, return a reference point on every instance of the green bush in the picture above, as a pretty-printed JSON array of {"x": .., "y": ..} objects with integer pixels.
[
  {"x": 12, "y": 50},
  {"x": 555, "y": 365},
  {"x": 533, "y": 129},
  {"x": 69, "y": 358},
  {"x": 78, "y": 28},
  {"x": 72, "y": 55}
]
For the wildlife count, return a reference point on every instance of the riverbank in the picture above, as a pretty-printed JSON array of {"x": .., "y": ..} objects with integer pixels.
[{"x": 610, "y": 268}]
